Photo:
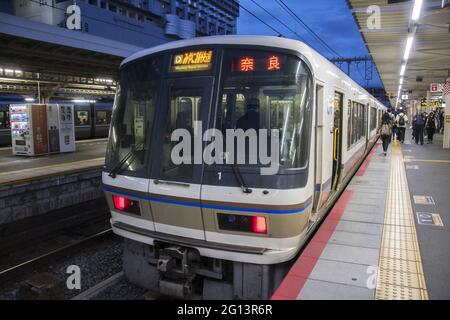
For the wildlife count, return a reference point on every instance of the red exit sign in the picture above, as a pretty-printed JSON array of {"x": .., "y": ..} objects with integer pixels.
[{"x": 436, "y": 87}]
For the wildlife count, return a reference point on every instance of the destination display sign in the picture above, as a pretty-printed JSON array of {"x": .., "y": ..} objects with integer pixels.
[{"x": 192, "y": 61}]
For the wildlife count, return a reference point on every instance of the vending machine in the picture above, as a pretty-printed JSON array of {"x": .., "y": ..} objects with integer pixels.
[
  {"x": 29, "y": 129},
  {"x": 53, "y": 128},
  {"x": 42, "y": 129},
  {"x": 66, "y": 128},
  {"x": 61, "y": 128}
]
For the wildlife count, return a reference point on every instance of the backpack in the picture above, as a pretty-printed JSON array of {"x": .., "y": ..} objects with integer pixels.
[
  {"x": 430, "y": 123},
  {"x": 401, "y": 121},
  {"x": 386, "y": 130},
  {"x": 419, "y": 121}
]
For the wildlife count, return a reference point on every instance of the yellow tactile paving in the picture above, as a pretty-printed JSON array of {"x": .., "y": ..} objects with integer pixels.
[
  {"x": 431, "y": 161},
  {"x": 400, "y": 274}
]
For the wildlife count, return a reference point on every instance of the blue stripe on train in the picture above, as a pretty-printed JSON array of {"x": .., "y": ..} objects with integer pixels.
[{"x": 208, "y": 206}]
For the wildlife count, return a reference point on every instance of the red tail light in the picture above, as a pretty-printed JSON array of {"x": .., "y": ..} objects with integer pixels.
[
  {"x": 255, "y": 224},
  {"x": 259, "y": 225},
  {"x": 121, "y": 203},
  {"x": 126, "y": 205}
]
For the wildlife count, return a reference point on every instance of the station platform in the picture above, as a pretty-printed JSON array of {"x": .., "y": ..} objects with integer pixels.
[
  {"x": 89, "y": 154},
  {"x": 387, "y": 236}
]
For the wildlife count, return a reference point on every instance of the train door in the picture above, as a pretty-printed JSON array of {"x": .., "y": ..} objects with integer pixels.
[
  {"x": 337, "y": 138},
  {"x": 319, "y": 110},
  {"x": 177, "y": 171}
]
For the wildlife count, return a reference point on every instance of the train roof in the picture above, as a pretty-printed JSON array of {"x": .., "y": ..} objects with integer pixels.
[
  {"x": 319, "y": 63},
  {"x": 269, "y": 41}
]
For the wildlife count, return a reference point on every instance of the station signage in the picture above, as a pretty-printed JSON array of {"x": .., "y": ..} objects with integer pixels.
[
  {"x": 437, "y": 103},
  {"x": 249, "y": 64},
  {"x": 436, "y": 87},
  {"x": 423, "y": 102},
  {"x": 434, "y": 103},
  {"x": 192, "y": 61}
]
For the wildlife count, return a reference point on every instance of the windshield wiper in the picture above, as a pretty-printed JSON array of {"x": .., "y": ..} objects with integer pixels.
[
  {"x": 120, "y": 164},
  {"x": 240, "y": 179},
  {"x": 132, "y": 152}
]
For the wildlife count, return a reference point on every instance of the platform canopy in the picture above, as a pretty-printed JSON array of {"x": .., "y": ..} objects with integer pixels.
[
  {"x": 65, "y": 62},
  {"x": 429, "y": 58}
]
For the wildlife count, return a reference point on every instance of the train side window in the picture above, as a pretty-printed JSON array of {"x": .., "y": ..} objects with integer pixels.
[
  {"x": 82, "y": 118},
  {"x": 4, "y": 117},
  {"x": 373, "y": 119},
  {"x": 103, "y": 117}
]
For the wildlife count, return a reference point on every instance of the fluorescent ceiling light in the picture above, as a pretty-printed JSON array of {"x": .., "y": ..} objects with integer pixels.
[
  {"x": 409, "y": 44},
  {"x": 29, "y": 99},
  {"x": 401, "y": 80},
  {"x": 83, "y": 101},
  {"x": 416, "y": 10},
  {"x": 402, "y": 70}
]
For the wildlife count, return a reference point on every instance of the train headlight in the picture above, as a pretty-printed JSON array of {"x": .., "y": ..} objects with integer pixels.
[
  {"x": 126, "y": 205},
  {"x": 243, "y": 223}
]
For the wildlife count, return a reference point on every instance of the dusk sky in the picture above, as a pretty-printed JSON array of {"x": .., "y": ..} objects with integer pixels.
[{"x": 330, "y": 19}]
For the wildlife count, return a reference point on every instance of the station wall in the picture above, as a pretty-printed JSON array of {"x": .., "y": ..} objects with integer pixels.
[{"x": 37, "y": 197}]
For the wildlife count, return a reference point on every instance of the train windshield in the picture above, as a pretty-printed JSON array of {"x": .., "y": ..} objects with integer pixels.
[
  {"x": 267, "y": 90},
  {"x": 258, "y": 90},
  {"x": 133, "y": 114}
]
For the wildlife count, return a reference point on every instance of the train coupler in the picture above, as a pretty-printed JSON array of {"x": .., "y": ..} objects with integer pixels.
[{"x": 176, "y": 267}]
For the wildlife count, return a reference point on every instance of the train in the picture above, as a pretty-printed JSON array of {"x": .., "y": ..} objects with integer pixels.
[
  {"x": 91, "y": 120},
  {"x": 222, "y": 229}
]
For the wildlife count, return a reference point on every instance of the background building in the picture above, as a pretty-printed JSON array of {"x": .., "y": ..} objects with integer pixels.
[{"x": 142, "y": 23}]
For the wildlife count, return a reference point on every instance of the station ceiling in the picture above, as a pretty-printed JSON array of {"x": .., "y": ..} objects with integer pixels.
[
  {"x": 64, "y": 70},
  {"x": 429, "y": 61},
  {"x": 66, "y": 63}
]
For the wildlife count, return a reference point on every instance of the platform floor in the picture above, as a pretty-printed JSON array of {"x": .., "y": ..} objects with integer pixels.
[
  {"x": 372, "y": 245},
  {"x": 14, "y": 169}
]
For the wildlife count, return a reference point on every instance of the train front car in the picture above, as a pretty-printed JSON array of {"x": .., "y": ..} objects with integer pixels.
[{"x": 208, "y": 172}]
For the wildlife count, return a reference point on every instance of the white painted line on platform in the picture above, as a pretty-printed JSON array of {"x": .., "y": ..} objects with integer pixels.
[
  {"x": 430, "y": 219},
  {"x": 425, "y": 200}
]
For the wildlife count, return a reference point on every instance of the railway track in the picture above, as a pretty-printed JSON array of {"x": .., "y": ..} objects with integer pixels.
[
  {"x": 29, "y": 244},
  {"x": 12, "y": 273}
]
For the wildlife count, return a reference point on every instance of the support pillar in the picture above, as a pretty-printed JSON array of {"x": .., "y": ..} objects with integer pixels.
[
  {"x": 446, "y": 142},
  {"x": 428, "y": 108}
]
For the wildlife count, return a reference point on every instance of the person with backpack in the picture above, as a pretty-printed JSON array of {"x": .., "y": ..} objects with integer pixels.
[
  {"x": 418, "y": 125},
  {"x": 401, "y": 120},
  {"x": 386, "y": 131},
  {"x": 430, "y": 126},
  {"x": 394, "y": 126}
]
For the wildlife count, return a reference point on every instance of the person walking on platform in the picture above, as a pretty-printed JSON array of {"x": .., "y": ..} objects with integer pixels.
[
  {"x": 386, "y": 131},
  {"x": 430, "y": 126},
  {"x": 418, "y": 125},
  {"x": 441, "y": 117},
  {"x": 394, "y": 126},
  {"x": 438, "y": 121},
  {"x": 401, "y": 121}
]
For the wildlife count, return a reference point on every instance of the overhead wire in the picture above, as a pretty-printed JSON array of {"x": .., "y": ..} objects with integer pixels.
[
  {"x": 283, "y": 5},
  {"x": 277, "y": 19},
  {"x": 255, "y": 16}
]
